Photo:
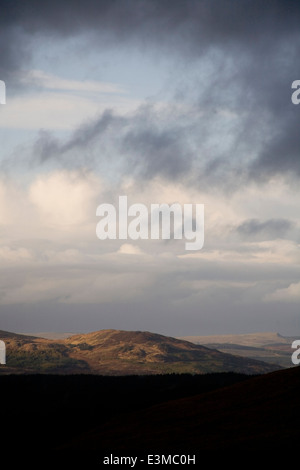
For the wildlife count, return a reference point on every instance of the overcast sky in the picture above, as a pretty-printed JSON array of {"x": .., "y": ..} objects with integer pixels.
[{"x": 163, "y": 101}]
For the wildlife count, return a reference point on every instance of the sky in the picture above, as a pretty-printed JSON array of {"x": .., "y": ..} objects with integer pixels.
[{"x": 164, "y": 102}]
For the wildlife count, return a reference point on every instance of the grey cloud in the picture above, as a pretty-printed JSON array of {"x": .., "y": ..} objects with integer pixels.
[
  {"x": 191, "y": 24},
  {"x": 252, "y": 47},
  {"x": 163, "y": 303},
  {"x": 281, "y": 152},
  {"x": 265, "y": 230},
  {"x": 48, "y": 147},
  {"x": 143, "y": 144}
]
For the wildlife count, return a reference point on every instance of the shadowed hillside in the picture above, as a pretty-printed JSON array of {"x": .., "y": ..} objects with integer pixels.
[
  {"x": 83, "y": 418},
  {"x": 260, "y": 413}
]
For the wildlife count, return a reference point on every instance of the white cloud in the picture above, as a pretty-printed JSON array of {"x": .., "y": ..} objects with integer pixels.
[
  {"x": 53, "y": 82},
  {"x": 129, "y": 249},
  {"x": 65, "y": 198},
  {"x": 59, "y": 111},
  {"x": 288, "y": 294},
  {"x": 59, "y": 205},
  {"x": 48, "y": 240},
  {"x": 55, "y": 103},
  {"x": 10, "y": 255}
]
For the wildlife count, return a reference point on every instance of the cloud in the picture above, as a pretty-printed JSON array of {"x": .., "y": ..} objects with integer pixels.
[
  {"x": 60, "y": 104},
  {"x": 51, "y": 259},
  {"x": 52, "y": 111},
  {"x": 235, "y": 65},
  {"x": 287, "y": 294},
  {"x": 10, "y": 255},
  {"x": 57, "y": 205},
  {"x": 186, "y": 26},
  {"x": 129, "y": 249},
  {"x": 54, "y": 82},
  {"x": 222, "y": 132},
  {"x": 146, "y": 143},
  {"x": 65, "y": 199},
  {"x": 265, "y": 230}
]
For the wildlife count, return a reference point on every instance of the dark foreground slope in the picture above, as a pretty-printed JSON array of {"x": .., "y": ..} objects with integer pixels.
[
  {"x": 90, "y": 417},
  {"x": 259, "y": 414}
]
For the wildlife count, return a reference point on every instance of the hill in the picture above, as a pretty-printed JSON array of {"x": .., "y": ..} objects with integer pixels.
[
  {"x": 115, "y": 352},
  {"x": 261, "y": 413},
  {"x": 267, "y": 347},
  {"x": 227, "y": 416}
]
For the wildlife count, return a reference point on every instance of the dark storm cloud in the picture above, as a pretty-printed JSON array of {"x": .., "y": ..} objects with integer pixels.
[
  {"x": 48, "y": 147},
  {"x": 192, "y": 23},
  {"x": 252, "y": 47},
  {"x": 281, "y": 152},
  {"x": 265, "y": 230},
  {"x": 146, "y": 144}
]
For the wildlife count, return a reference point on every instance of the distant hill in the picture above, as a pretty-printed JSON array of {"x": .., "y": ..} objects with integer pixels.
[
  {"x": 268, "y": 347},
  {"x": 115, "y": 352}
]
